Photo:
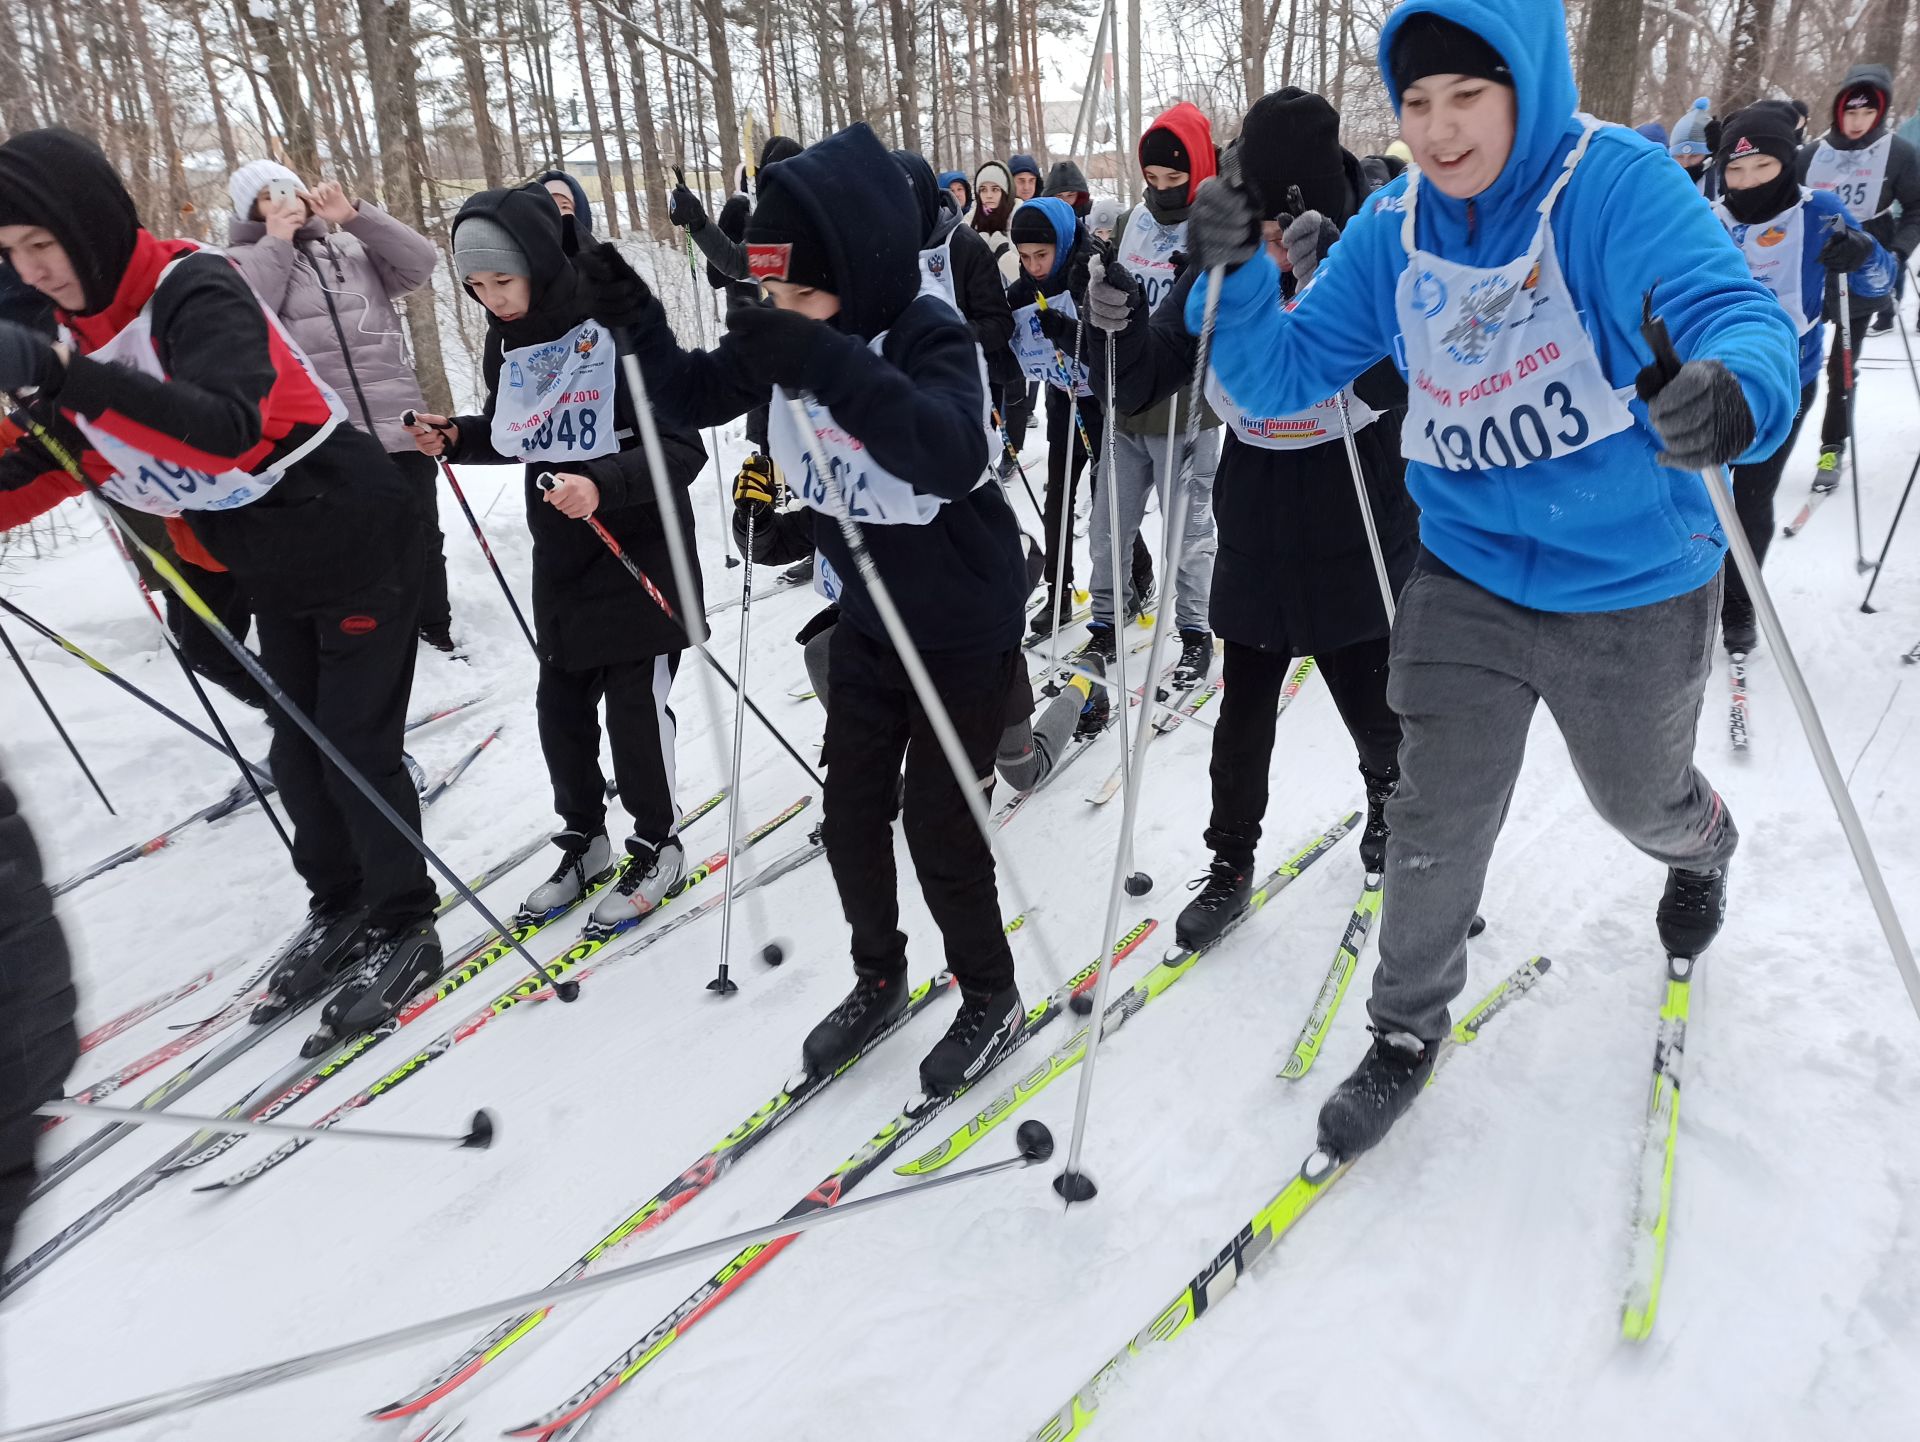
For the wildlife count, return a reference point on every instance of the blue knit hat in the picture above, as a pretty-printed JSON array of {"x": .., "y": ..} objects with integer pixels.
[
  {"x": 1690, "y": 131},
  {"x": 1024, "y": 165},
  {"x": 1654, "y": 131}
]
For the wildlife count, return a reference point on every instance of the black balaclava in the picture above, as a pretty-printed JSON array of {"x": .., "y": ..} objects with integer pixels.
[
  {"x": 1160, "y": 146},
  {"x": 64, "y": 183},
  {"x": 929, "y": 196},
  {"x": 1292, "y": 138},
  {"x": 1762, "y": 129},
  {"x": 1428, "y": 44}
]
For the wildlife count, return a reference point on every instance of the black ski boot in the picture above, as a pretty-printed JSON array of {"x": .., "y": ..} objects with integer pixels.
[
  {"x": 439, "y": 637},
  {"x": 1101, "y": 642},
  {"x": 1196, "y": 660},
  {"x": 1097, "y": 711},
  {"x": 1691, "y": 910},
  {"x": 1364, "y": 1107},
  {"x": 1223, "y": 891},
  {"x": 982, "y": 1030},
  {"x": 327, "y": 945},
  {"x": 1737, "y": 628},
  {"x": 400, "y": 963},
  {"x": 1373, "y": 841},
  {"x": 873, "y": 1004},
  {"x": 799, "y": 573},
  {"x": 1051, "y": 617}
]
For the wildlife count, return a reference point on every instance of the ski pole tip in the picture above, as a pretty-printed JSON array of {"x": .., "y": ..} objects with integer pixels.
[
  {"x": 567, "y": 990},
  {"x": 480, "y": 1134},
  {"x": 1075, "y": 1187},
  {"x": 1034, "y": 1141},
  {"x": 1139, "y": 884}
]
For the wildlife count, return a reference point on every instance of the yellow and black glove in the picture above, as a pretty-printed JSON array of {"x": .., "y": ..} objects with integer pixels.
[{"x": 756, "y": 490}]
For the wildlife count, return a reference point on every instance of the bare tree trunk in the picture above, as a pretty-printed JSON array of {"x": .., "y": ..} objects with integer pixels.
[
  {"x": 284, "y": 83},
  {"x": 1611, "y": 58},
  {"x": 726, "y": 113},
  {"x": 1002, "y": 92},
  {"x": 321, "y": 98},
  {"x": 1885, "y": 37},
  {"x": 77, "y": 108},
  {"x": 619, "y": 125},
  {"x": 1293, "y": 27},
  {"x": 593, "y": 123},
  {"x": 242, "y": 47},
  {"x": 473, "y": 66},
  {"x": 513, "y": 103},
  {"x": 1680, "y": 85},
  {"x": 906, "y": 88},
  {"x": 1746, "y": 56},
  {"x": 229, "y": 155},
  {"x": 16, "y": 97},
  {"x": 179, "y": 202},
  {"x": 1130, "y": 185},
  {"x": 650, "y": 163}
]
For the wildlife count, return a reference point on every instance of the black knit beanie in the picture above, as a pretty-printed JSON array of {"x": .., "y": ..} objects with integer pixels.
[
  {"x": 1292, "y": 138},
  {"x": 782, "y": 243},
  {"x": 64, "y": 183},
  {"x": 1427, "y": 45}
]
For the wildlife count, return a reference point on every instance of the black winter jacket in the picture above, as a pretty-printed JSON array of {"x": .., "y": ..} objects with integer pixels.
[
  {"x": 1292, "y": 574},
  {"x": 37, "y": 1041},
  {"x": 1902, "y": 185},
  {"x": 587, "y": 611},
  {"x": 982, "y": 297}
]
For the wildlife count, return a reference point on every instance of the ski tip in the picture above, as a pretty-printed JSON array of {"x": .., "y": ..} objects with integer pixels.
[
  {"x": 317, "y": 1045},
  {"x": 481, "y": 1133},
  {"x": 1295, "y": 1068},
  {"x": 1319, "y": 1166}
]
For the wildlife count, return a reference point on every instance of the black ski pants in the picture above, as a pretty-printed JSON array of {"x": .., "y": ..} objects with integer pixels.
[
  {"x": 1252, "y": 681},
  {"x": 422, "y": 474},
  {"x": 874, "y": 725},
  {"x": 1753, "y": 491},
  {"x": 1833, "y": 423},
  {"x": 349, "y": 665},
  {"x": 641, "y": 731},
  {"x": 201, "y": 648}
]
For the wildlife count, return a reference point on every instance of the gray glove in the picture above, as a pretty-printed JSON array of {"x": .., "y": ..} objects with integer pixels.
[
  {"x": 1702, "y": 416},
  {"x": 1111, "y": 291},
  {"x": 1224, "y": 226},
  {"x": 1307, "y": 238}
]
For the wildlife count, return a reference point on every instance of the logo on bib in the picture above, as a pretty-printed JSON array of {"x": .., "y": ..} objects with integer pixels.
[
  {"x": 769, "y": 262},
  {"x": 1483, "y": 316},
  {"x": 358, "y": 625},
  {"x": 1430, "y": 294},
  {"x": 589, "y": 338},
  {"x": 1773, "y": 236},
  {"x": 936, "y": 263},
  {"x": 546, "y": 363}
]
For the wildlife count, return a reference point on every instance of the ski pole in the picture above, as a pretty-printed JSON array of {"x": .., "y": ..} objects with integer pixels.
[
  {"x": 1136, "y": 884},
  {"x": 1853, "y": 433},
  {"x": 192, "y": 600},
  {"x": 111, "y": 524},
  {"x": 1063, "y": 526},
  {"x": 713, "y": 441},
  {"x": 102, "y": 669},
  {"x": 1072, "y": 1184},
  {"x": 411, "y": 418},
  {"x": 1720, "y": 491},
  {"x": 1006, "y": 442},
  {"x": 1866, "y": 602},
  {"x": 47, "y": 706},
  {"x": 477, "y": 1137},
  {"x": 1033, "y": 1139},
  {"x": 607, "y": 538},
  {"x": 721, "y": 982}
]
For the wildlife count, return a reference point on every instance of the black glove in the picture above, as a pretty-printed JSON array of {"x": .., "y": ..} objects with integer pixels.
[
  {"x": 685, "y": 210},
  {"x": 781, "y": 347},
  {"x": 1060, "y": 328},
  {"x": 27, "y": 358},
  {"x": 621, "y": 298},
  {"x": 754, "y": 490},
  {"x": 1112, "y": 293},
  {"x": 1081, "y": 271},
  {"x": 1224, "y": 225},
  {"x": 1701, "y": 415},
  {"x": 1024, "y": 291},
  {"x": 1846, "y": 250}
]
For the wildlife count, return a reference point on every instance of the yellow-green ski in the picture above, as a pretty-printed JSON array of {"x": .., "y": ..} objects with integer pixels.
[
  {"x": 1333, "y": 990},
  {"x": 1649, "y": 1264}
]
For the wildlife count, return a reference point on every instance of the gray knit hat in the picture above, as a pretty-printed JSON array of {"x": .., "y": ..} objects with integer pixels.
[{"x": 482, "y": 243}]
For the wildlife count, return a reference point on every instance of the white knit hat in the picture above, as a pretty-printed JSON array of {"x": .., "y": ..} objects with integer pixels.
[{"x": 245, "y": 184}]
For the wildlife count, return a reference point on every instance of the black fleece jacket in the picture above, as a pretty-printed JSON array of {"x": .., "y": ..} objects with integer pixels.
[{"x": 1902, "y": 185}]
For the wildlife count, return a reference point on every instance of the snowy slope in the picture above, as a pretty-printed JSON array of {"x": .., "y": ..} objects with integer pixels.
[{"x": 1462, "y": 1282}]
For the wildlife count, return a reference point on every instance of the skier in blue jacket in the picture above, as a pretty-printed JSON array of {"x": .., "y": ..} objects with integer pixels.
[
  {"x": 1569, "y": 549},
  {"x": 1794, "y": 241}
]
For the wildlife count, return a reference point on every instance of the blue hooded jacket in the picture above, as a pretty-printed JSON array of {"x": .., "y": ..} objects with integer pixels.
[{"x": 1604, "y": 528}]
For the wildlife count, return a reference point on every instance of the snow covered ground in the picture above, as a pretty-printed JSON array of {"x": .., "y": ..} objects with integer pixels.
[{"x": 1463, "y": 1282}]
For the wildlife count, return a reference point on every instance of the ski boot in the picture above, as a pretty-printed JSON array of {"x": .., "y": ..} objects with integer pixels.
[
  {"x": 1223, "y": 892},
  {"x": 799, "y": 573},
  {"x": 1691, "y": 910},
  {"x": 1826, "y": 474},
  {"x": 1373, "y": 840},
  {"x": 1102, "y": 642},
  {"x": 1196, "y": 660},
  {"x": 1364, "y": 1107},
  {"x": 439, "y": 637},
  {"x": 586, "y": 862},
  {"x": 328, "y": 943},
  {"x": 400, "y": 963},
  {"x": 875, "y": 1003},
  {"x": 982, "y": 1030},
  {"x": 1737, "y": 629},
  {"x": 650, "y": 876},
  {"x": 1097, "y": 710},
  {"x": 1053, "y": 616}
]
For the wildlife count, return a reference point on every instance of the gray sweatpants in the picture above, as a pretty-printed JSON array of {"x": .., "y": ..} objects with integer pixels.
[
  {"x": 1138, "y": 464},
  {"x": 1468, "y": 668}
]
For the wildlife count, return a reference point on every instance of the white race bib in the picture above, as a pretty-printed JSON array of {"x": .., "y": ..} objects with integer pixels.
[
  {"x": 1773, "y": 251},
  {"x": 554, "y": 402},
  {"x": 1146, "y": 249},
  {"x": 936, "y": 271},
  {"x": 142, "y": 480},
  {"x": 1501, "y": 373},
  {"x": 1858, "y": 177},
  {"x": 1312, "y": 427},
  {"x": 1042, "y": 360}
]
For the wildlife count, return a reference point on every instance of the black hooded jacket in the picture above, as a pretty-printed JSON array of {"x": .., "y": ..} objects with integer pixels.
[
  {"x": 1292, "y": 575},
  {"x": 587, "y": 611},
  {"x": 960, "y": 580},
  {"x": 1902, "y": 185},
  {"x": 37, "y": 1041}
]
